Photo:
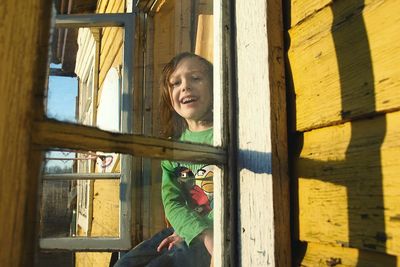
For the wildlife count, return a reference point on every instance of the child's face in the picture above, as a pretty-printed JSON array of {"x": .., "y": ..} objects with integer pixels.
[{"x": 191, "y": 90}]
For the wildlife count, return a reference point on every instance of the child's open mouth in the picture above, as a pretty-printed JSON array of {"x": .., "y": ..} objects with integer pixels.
[{"x": 187, "y": 100}]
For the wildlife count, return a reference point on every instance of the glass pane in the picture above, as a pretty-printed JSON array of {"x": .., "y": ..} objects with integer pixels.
[
  {"x": 74, "y": 207},
  {"x": 85, "y": 81}
]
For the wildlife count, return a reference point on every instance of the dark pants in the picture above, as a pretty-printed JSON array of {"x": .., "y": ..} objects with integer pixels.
[{"x": 145, "y": 254}]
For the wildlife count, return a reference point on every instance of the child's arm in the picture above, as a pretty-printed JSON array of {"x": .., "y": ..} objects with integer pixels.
[{"x": 208, "y": 238}]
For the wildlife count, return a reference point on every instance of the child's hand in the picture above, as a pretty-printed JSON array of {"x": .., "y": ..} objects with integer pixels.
[{"x": 170, "y": 241}]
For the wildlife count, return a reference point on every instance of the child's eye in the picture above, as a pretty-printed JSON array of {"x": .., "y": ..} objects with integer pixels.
[{"x": 175, "y": 83}]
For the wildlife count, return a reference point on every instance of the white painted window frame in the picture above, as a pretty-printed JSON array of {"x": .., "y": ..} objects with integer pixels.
[
  {"x": 123, "y": 242},
  {"x": 249, "y": 79}
]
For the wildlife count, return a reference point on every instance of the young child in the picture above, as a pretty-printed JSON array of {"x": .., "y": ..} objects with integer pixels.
[{"x": 187, "y": 188}]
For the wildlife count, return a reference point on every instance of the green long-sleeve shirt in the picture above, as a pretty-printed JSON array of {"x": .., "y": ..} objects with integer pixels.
[{"x": 187, "y": 191}]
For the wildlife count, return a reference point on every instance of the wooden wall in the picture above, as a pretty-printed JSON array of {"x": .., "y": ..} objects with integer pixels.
[
  {"x": 25, "y": 34},
  {"x": 343, "y": 60}
]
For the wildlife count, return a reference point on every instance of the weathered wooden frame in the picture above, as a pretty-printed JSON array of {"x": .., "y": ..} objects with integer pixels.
[
  {"x": 263, "y": 184},
  {"x": 223, "y": 110}
]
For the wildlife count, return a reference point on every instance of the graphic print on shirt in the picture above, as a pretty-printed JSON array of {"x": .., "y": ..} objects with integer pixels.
[{"x": 198, "y": 186}]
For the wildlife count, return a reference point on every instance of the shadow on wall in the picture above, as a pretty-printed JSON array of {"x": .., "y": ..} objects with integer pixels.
[{"x": 364, "y": 192}]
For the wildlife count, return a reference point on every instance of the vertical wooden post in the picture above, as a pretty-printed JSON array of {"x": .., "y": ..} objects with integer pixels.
[
  {"x": 262, "y": 156},
  {"x": 24, "y": 32}
]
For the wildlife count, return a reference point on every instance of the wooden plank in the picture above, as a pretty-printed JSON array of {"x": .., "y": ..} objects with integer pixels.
[
  {"x": 105, "y": 209},
  {"x": 323, "y": 255},
  {"x": 348, "y": 185},
  {"x": 346, "y": 55},
  {"x": 25, "y": 31},
  {"x": 225, "y": 222},
  {"x": 111, "y": 55},
  {"x": 301, "y": 10},
  {"x": 116, "y": 7},
  {"x": 102, "y": 6},
  {"x": 84, "y": 259},
  {"x": 278, "y": 133},
  {"x": 263, "y": 185},
  {"x": 107, "y": 33},
  {"x": 255, "y": 187},
  {"x": 111, "y": 7},
  {"x": 205, "y": 37},
  {"x": 62, "y": 135},
  {"x": 111, "y": 44}
]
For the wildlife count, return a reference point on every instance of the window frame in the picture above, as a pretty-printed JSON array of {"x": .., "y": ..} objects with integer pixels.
[
  {"x": 123, "y": 241},
  {"x": 52, "y": 133}
]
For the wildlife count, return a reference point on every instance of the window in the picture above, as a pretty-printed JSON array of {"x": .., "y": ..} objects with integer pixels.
[
  {"x": 20, "y": 159},
  {"x": 91, "y": 144},
  {"x": 106, "y": 114}
]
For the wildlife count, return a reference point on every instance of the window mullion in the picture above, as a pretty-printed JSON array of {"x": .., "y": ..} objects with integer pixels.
[
  {"x": 82, "y": 176},
  {"x": 50, "y": 133}
]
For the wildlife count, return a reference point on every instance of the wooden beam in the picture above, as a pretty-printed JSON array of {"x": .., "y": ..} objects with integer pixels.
[
  {"x": 278, "y": 132},
  {"x": 25, "y": 31},
  {"x": 262, "y": 157},
  {"x": 51, "y": 133}
]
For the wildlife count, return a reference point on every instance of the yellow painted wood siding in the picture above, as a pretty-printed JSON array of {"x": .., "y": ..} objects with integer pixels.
[
  {"x": 111, "y": 41},
  {"x": 325, "y": 255},
  {"x": 316, "y": 44},
  {"x": 343, "y": 57},
  {"x": 105, "y": 221},
  {"x": 352, "y": 191},
  {"x": 91, "y": 259}
]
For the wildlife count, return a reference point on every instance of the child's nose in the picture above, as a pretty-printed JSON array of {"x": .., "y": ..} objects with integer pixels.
[{"x": 186, "y": 85}]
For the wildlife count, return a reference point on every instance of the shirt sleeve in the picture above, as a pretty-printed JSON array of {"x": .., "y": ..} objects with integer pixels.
[{"x": 186, "y": 222}]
